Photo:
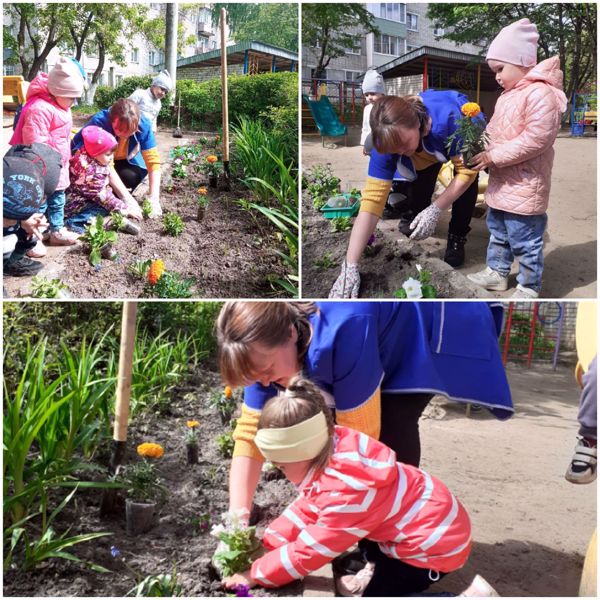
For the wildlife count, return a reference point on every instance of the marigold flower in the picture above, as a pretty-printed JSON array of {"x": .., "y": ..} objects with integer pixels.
[
  {"x": 156, "y": 270},
  {"x": 470, "y": 109},
  {"x": 228, "y": 392},
  {"x": 150, "y": 450},
  {"x": 202, "y": 191},
  {"x": 193, "y": 424},
  {"x": 211, "y": 158}
]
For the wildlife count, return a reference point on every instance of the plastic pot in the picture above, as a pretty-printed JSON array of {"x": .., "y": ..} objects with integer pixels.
[
  {"x": 192, "y": 455},
  {"x": 140, "y": 517},
  {"x": 212, "y": 181}
]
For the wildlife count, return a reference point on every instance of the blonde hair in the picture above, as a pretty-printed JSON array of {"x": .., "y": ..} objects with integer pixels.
[
  {"x": 301, "y": 400},
  {"x": 127, "y": 112},
  {"x": 240, "y": 324},
  {"x": 391, "y": 112}
]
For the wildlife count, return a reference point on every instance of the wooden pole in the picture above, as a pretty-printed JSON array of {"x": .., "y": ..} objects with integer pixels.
[
  {"x": 478, "y": 83},
  {"x": 225, "y": 97}
]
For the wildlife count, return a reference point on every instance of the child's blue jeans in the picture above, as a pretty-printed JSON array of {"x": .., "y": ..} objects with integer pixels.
[
  {"x": 518, "y": 237},
  {"x": 78, "y": 221},
  {"x": 55, "y": 210}
]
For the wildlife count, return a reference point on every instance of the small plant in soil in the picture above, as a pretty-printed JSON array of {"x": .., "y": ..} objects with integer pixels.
[
  {"x": 321, "y": 183},
  {"x": 203, "y": 523},
  {"x": 213, "y": 477},
  {"x": 117, "y": 221},
  {"x": 202, "y": 201},
  {"x": 224, "y": 402},
  {"x": 326, "y": 262},
  {"x": 240, "y": 540},
  {"x": 172, "y": 285},
  {"x": 212, "y": 168},
  {"x": 190, "y": 440},
  {"x": 141, "y": 480},
  {"x": 146, "y": 208},
  {"x": 341, "y": 224},
  {"x": 225, "y": 444},
  {"x": 417, "y": 288},
  {"x": 179, "y": 170},
  {"x": 355, "y": 193},
  {"x": 173, "y": 224},
  {"x": 98, "y": 239},
  {"x": 41, "y": 287}
]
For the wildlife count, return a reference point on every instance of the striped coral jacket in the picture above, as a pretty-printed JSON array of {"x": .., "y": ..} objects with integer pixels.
[{"x": 365, "y": 493}]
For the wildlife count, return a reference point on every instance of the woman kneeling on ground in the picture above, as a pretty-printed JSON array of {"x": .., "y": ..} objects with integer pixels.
[
  {"x": 136, "y": 155},
  {"x": 409, "y": 135}
]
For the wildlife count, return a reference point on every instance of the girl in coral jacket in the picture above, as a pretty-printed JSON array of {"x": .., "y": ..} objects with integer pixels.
[
  {"x": 522, "y": 131},
  {"x": 46, "y": 118},
  {"x": 351, "y": 488}
]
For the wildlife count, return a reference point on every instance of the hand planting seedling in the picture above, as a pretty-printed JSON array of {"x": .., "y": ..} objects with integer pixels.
[
  {"x": 239, "y": 541},
  {"x": 99, "y": 240},
  {"x": 173, "y": 224},
  {"x": 417, "y": 288},
  {"x": 341, "y": 224},
  {"x": 224, "y": 402},
  {"x": 47, "y": 288}
]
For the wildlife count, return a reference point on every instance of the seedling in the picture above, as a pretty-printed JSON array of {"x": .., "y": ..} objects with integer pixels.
[
  {"x": 117, "y": 221},
  {"x": 225, "y": 444},
  {"x": 341, "y": 224},
  {"x": 41, "y": 287},
  {"x": 173, "y": 224},
  {"x": 146, "y": 208},
  {"x": 171, "y": 285},
  {"x": 326, "y": 262},
  {"x": 179, "y": 169},
  {"x": 224, "y": 402},
  {"x": 97, "y": 238}
]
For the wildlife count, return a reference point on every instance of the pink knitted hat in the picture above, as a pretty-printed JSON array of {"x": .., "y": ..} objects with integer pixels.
[
  {"x": 96, "y": 140},
  {"x": 515, "y": 44},
  {"x": 65, "y": 79}
]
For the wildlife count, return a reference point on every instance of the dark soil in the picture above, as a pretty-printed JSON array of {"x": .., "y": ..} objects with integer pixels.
[
  {"x": 177, "y": 540},
  {"x": 384, "y": 267}
]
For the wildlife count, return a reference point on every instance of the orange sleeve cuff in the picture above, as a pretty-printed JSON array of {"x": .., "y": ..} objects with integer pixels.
[
  {"x": 374, "y": 196},
  {"x": 245, "y": 431},
  {"x": 366, "y": 418},
  {"x": 152, "y": 159}
]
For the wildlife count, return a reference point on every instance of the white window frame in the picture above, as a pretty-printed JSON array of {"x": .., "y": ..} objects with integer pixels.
[
  {"x": 151, "y": 57},
  {"x": 355, "y": 74},
  {"x": 354, "y": 52},
  {"x": 438, "y": 31},
  {"x": 401, "y": 45},
  {"x": 375, "y": 9},
  {"x": 135, "y": 55},
  {"x": 416, "y": 18}
]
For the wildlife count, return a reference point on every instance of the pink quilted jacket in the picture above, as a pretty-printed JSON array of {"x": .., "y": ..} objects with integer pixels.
[
  {"x": 523, "y": 128},
  {"x": 43, "y": 120}
]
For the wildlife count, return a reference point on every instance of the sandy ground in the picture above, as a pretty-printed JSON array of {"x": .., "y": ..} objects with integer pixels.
[
  {"x": 570, "y": 252},
  {"x": 530, "y": 526}
]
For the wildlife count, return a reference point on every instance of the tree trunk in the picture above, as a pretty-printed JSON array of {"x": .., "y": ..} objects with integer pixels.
[{"x": 171, "y": 43}]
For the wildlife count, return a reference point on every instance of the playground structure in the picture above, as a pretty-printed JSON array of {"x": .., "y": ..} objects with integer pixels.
[{"x": 583, "y": 113}]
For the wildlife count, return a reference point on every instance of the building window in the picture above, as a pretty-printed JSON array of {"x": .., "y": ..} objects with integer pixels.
[
  {"x": 412, "y": 22},
  {"x": 135, "y": 55},
  {"x": 353, "y": 50},
  {"x": 10, "y": 69},
  {"x": 352, "y": 75},
  {"x": 391, "y": 11},
  {"x": 438, "y": 31},
  {"x": 118, "y": 79},
  {"x": 151, "y": 57},
  {"x": 389, "y": 44}
]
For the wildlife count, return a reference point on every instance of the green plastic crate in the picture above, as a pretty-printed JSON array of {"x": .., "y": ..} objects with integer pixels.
[{"x": 341, "y": 205}]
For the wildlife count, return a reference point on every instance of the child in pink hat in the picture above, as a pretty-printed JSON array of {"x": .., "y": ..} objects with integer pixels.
[
  {"x": 90, "y": 193},
  {"x": 519, "y": 157}
]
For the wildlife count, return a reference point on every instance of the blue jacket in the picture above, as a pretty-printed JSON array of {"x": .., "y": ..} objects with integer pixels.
[
  {"x": 448, "y": 348},
  {"x": 444, "y": 109},
  {"x": 144, "y": 137}
]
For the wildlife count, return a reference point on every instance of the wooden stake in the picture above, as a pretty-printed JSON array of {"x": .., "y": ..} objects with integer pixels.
[{"x": 224, "y": 90}]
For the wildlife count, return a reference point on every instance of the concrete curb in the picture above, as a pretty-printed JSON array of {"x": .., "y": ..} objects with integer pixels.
[{"x": 319, "y": 583}]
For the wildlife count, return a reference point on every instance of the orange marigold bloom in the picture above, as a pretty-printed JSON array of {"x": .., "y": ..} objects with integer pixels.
[
  {"x": 150, "y": 450},
  {"x": 192, "y": 424},
  {"x": 228, "y": 392},
  {"x": 202, "y": 191},
  {"x": 211, "y": 158},
  {"x": 157, "y": 268},
  {"x": 470, "y": 109}
]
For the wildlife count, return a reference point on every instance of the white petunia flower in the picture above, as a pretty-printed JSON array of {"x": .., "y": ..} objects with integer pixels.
[{"x": 412, "y": 287}]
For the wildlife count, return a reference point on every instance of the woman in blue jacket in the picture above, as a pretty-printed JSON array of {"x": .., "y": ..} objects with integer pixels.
[
  {"x": 377, "y": 364},
  {"x": 409, "y": 135},
  {"x": 136, "y": 155}
]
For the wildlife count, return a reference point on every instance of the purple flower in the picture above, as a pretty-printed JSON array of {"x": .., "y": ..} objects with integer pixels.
[
  {"x": 372, "y": 240},
  {"x": 242, "y": 591},
  {"x": 97, "y": 268},
  {"x": 115, "y": 552}
]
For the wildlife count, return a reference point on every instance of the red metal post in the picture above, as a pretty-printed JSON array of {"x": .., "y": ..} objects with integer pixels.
[
  {"x": 532, "y": 334},
  {"x": 353, "y": 113},
  {"x": 507, "y": 328},
  {"x": 425, "y": 68},
  {"x": 341, "y": 101}
]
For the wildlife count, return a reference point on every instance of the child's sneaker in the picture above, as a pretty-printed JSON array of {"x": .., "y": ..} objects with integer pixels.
[
  {"x": 63, "y": 237},
  {"x": 480, "y": 588},
  {"x": 583, "y": 465},
  {"x": 524, "y": 293},
  {"x": 489, "y": 280},
  {"x": 38, "y": 251},
  {"x": 355, "y": 585},
  {"x": 23, "y": 267}
]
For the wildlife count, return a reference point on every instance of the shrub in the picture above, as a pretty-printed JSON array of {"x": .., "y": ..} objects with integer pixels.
[{"x": 173, "y": 224}]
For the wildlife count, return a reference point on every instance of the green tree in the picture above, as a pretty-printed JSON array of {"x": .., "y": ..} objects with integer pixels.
[
  {"x": 332, "y": 29},
  {"x": 275, "y": 24},
  {"x": 566, "y": 30}
]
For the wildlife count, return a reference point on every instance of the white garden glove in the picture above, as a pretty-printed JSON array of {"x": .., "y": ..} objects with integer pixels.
[
  {"x": 424, "y": 223},
  {"x": 156, "y": 207},
  {"x": 348, "y": 282}
]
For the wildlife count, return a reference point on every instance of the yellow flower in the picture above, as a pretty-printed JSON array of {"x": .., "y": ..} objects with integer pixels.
[
  {"x": 157, "y": 268},
  {"x": 470, "y": 109},
  {"x": 150, "y": 450},
  {"x": 202, "y": 191},
  {"x": 211, "y": 158},
  {"x": 192, "y": 424},
  {"x": 228, "y": 392}
]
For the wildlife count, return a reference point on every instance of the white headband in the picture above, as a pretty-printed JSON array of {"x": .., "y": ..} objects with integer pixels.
[{"x": 303, "y": 441}]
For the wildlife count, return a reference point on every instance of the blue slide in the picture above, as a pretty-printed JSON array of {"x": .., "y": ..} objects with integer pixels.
[{"x": 325, "y": 117}]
